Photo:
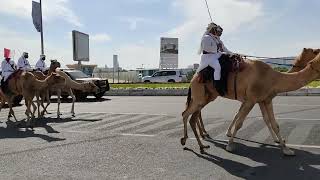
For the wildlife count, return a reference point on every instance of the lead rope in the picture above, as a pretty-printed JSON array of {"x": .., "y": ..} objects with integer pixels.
[{"x": 208, "y": 10}]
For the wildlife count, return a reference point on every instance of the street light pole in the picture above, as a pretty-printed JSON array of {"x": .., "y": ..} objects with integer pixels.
[{"x": 42, "y": 48}]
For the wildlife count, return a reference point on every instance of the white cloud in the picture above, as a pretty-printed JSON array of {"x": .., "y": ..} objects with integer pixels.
[
  {"x": 230, "y": 14},
  {"x": 103, "y": 37},
  {"x": 19, "y": 42},
  {"x": 53, "y": 9},
  {"x": 133, "y": 21},
  {"x": 132, "y": 56}
]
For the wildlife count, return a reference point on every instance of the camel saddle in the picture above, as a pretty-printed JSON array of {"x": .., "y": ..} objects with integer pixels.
[{"x": 229, "y": 63}]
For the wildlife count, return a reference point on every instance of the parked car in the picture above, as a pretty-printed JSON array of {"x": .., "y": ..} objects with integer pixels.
[
  {"x": 166, "y": 76},
  {"x": 80, "y": 77},
  {"x": 17, "y": 99}
]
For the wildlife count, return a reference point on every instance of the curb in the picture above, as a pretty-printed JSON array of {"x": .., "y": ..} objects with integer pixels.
[{"x": 184, "y": 92}]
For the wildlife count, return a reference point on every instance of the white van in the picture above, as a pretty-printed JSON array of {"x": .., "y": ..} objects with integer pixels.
[{"x": 165, "y": 76}]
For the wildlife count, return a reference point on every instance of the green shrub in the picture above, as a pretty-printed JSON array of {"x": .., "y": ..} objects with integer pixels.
[{"x": 281, "y": 69}]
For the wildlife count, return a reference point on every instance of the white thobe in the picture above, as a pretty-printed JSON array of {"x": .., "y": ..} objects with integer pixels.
[
  {"x": 214, "y": 47},
  {"x": 41, "y": 65},
  {"x": 23, "y": 64},
  {"x": 7, "y": 68}
]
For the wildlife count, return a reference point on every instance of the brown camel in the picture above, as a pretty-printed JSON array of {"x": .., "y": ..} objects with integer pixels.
[
  {"x": 257, "y": 83},
  {"x": 26, "y": 84},
  {"x": 300, "y": 62},
  {"x": 70, "y": 84},
  {"x": 45, "y": 93}
]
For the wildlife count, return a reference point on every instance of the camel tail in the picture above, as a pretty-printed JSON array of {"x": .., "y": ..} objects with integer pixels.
[{"x": 189, "y": 97}]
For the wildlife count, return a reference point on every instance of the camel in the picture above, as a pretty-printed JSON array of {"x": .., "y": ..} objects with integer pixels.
[
  {"x": 257, "y": 83},
  {"x": 299, "y": 63},
  {"x": 70, "y": 84},
  {"x": 26, "y": 84},
  {"x": 45, "y": 94}
]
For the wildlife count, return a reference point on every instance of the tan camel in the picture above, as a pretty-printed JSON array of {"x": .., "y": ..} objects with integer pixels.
[
  {"x": 26, "y": 84},
  {"x": 257, "y": 83},
  {"x": 300, "y": 62},
  {"x": 45, "y": 94},
  {"x": 70, "y": 84}
]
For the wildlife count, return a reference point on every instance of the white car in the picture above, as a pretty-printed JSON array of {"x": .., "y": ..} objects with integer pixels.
[{"x": 165, "y": 76}]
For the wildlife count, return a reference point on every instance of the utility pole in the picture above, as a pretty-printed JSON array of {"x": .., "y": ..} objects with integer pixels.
[{"x": 42, "y": 49}]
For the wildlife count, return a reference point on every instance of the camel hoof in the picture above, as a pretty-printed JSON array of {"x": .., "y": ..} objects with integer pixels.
[
  {"x": 183, "y": 141},
  {"x": 278, "y": 142},
  {"x": 202, "y": 151},
  {"x": 288, "y": 152},
  {"x": 73, "y": 115},
  {"x": 231, "y": 147},
  {"x": 228, "y": 134},
  {"x": 205, "y": 147}
]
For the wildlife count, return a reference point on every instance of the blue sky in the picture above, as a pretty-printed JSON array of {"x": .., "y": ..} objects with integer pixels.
[{"x": 132, "y": 28}]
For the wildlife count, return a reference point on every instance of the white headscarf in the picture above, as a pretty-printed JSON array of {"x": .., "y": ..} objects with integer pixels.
[{"x": 209, "y": 28}]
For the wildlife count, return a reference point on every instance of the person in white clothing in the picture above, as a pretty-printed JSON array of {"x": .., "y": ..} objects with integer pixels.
[
  {"x": 41, "y": 64},
  {"x": 8, "y": 67},
  {"x": 23, "y": 62},
  {"x": 211, "y": 49}
]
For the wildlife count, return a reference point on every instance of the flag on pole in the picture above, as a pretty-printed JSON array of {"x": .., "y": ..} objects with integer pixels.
[
  {"x": 6, "y": 53},
  {"x": 36, "y": 15}
]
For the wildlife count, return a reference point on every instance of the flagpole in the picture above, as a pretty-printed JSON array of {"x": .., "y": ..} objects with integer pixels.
[{"x": 42, "y": 49}]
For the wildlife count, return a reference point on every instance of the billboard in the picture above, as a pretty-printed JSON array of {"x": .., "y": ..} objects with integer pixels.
[
  {"x": 80, "y": 44},
  {"x": 168, "y": 53}
]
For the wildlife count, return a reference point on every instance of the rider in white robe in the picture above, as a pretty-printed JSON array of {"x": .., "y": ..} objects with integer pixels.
[{"x": 23, "y": 62}]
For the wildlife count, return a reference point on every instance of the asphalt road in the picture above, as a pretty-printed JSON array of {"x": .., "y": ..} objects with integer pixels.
[{"x": 139, "y": 138}]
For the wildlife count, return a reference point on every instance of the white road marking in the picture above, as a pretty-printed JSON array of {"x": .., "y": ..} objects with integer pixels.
[{"x": 139, "y": 135}]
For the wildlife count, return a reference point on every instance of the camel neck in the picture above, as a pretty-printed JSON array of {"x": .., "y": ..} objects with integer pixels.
[
  {"x": 40, "y": 84},
  {"x": 292, "y": 81},
  {"x": 71, "y": 83}
]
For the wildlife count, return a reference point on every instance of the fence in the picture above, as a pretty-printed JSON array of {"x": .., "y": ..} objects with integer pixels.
[{"x": 119, "y": 77}]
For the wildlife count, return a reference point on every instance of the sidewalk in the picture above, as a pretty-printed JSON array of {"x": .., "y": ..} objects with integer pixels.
[{"x": 184, "y": 92}]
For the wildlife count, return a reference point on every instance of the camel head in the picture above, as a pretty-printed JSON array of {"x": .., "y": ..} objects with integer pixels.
[
  {"x": 90, "y": 87},
  {"x": 54, "y": 64},
  {"x": 303, "y": 59},
  {"x": 315, "y": 64},
  {"x": 56, "y": 80}
]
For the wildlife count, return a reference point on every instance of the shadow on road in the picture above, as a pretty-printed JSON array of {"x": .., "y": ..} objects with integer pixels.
[
  {"x": 69, "y": 100},
  {"x": 14, "y": 131},
  {"x": 273, "y": 164},
  {"x": 21, "y": 130}
]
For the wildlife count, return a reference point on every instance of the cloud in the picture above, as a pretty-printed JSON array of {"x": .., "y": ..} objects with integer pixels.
[
  {"x": 19, "y": 42},
  {"x": 53, "y": 9},
  {"x": 132, "y": 56},
  {"x": 102, "y": 37},
  {"x": 133, "y": 21},
  {"x": 230, "y": 14}
]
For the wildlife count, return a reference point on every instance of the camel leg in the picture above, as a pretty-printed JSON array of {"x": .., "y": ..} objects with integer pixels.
[
  {"x": 28, "y": 111},
  {"x": 11, "y": 112},
  {"x": 47, "y": 96},
  {"x": 38, "y": 105},
  {"x": 275, "y": 127},
  {"x": 59, "y": 101},
  {"x": 234, "y": 121},
  {"x": 267, "y": 121},
  {"x": 190, "y": 110},
  {"x": 242, "y": 114},
  {"x": 193, "y": 121},
  {"x": 73, "y": 100},
  {"x": 202, "y": 130}
]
